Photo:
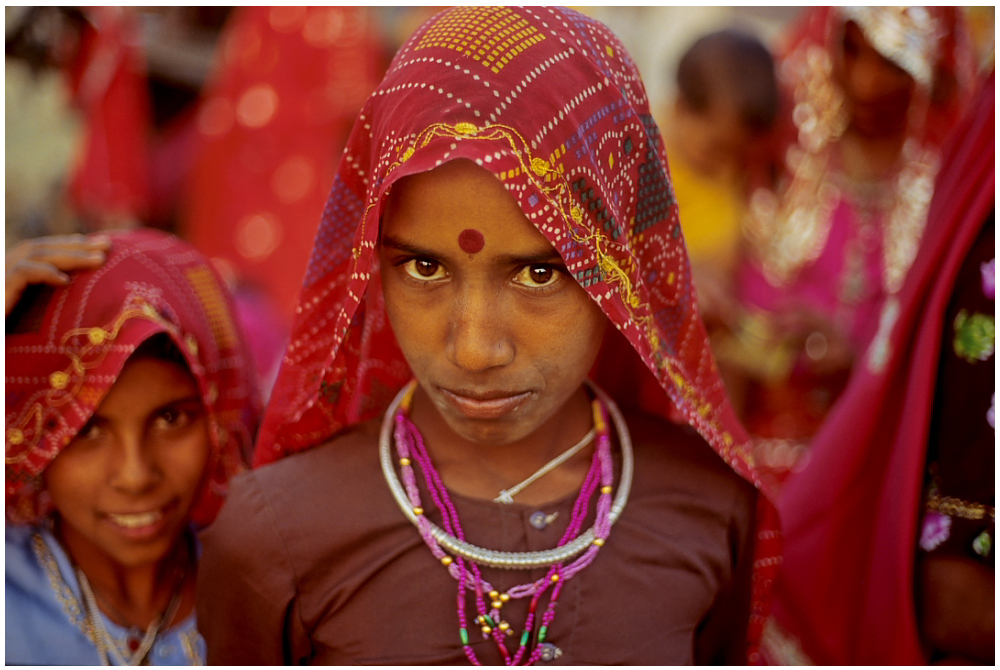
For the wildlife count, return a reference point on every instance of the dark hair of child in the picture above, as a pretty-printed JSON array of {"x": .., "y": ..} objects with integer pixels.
[
  {"x": 733, "y": 67},
  {"x": 161, "y": 347}
]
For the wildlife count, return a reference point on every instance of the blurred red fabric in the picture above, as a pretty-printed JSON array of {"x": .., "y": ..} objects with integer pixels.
[{"x": 272, "y": 123}]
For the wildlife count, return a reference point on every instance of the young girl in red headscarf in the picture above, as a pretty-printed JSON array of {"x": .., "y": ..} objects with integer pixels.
[
  {"x": 444, "y": 474},
  {"x": 130, "y": 402}
]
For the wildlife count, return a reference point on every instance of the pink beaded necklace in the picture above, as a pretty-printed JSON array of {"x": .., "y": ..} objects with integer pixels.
[{"x": 410, "y": 448}]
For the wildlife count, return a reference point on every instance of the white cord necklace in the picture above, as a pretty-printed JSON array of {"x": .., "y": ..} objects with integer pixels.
[
  {"x": 507, "y": 495},
  {"x": 107, "y": 647},
  {"x": 509, "y": 560}
]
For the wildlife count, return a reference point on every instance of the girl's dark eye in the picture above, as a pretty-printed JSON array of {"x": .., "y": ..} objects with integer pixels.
[
  {"x": 90, "y": 431},
  {"x": 537, "y": 276},
  {"x": 424, "y": 269},
  {"x": 173, "y": 418},
  {"x": 541, "y": 274}
]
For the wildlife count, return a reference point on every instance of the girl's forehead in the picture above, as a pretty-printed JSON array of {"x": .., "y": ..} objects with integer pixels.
[{"x": 459, "y": 203}]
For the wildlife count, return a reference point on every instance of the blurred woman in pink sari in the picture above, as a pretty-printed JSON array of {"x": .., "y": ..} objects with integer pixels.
[
  {"x": 889, "y": 530},
  {"x": 875, "y": 91}
]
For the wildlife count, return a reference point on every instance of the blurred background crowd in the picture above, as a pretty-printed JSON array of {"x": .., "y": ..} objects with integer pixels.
[
  {"x": 804, "y": 146},
  {"x": 225, "y": 125}
]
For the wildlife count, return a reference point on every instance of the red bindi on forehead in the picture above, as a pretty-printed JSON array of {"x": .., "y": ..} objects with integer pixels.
[{"x": 471, "y": 241}]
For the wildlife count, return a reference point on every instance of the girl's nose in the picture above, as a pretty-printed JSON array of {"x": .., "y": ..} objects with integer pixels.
[
  {"x": 135, "y": 471},
  {"x": 478, "y": 338}
]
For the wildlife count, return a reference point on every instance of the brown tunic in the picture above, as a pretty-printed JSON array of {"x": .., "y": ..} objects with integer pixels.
[{"x": 311, "y": 561}]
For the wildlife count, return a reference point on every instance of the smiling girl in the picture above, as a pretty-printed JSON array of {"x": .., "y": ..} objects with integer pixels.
[{"x": 128, "y": 407}]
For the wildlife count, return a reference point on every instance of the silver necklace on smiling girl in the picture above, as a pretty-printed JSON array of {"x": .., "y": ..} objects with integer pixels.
[
  {"x": 86, "y": 615},
  {"x": 107, "y": 647}
]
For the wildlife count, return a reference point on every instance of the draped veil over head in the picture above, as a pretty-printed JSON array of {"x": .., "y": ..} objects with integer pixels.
[
  {"x": 67, "y": 346},
  {"x": 550, "y": 103}
]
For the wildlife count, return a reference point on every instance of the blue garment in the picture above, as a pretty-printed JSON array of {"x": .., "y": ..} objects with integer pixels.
[{"x": 42, "y": 627}]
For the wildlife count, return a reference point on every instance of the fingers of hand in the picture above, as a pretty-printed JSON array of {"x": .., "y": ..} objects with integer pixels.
[
  {"x": 63, "y": 252},
  {"x": 30, "y": 272},
  {"x": 34, "y": 272}
]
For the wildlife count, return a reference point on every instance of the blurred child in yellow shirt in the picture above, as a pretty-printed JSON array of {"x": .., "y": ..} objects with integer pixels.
[{"x": 726, "y": 101}]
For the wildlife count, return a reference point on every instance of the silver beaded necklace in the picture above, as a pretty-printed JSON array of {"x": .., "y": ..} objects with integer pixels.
[{"x": 509, "y": 560}]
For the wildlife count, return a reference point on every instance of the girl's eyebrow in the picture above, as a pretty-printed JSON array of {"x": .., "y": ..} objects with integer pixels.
[
  {"x": 392, "y": 243},
  {"x": 549, "y": 255},
  {"x": 188, "y": 399},
  {"x": 192, "y": 398}
]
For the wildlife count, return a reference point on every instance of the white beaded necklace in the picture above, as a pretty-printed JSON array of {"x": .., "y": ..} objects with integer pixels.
[{"x": 509, "y": 560}]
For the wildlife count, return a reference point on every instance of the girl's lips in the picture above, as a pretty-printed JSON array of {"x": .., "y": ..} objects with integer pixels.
[{"x": 485, "y": 408}]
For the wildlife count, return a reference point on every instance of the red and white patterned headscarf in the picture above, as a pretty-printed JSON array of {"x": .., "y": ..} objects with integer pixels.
[
  {"x": 549, "y": 101},
  {"x": 66, "y": 347}
]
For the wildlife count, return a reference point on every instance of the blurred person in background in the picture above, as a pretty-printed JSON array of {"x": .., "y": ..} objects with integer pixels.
[
  {"x": 283, "y": 93},
  {"x": 77, "y": 116},
  {"x": 725, "y": 105},
  {"x": 890, "y": 528},
  {"x": 164, "y": 122},
  {"x": 98, "y": 110},
  {"x": 874, "y": 93}
]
